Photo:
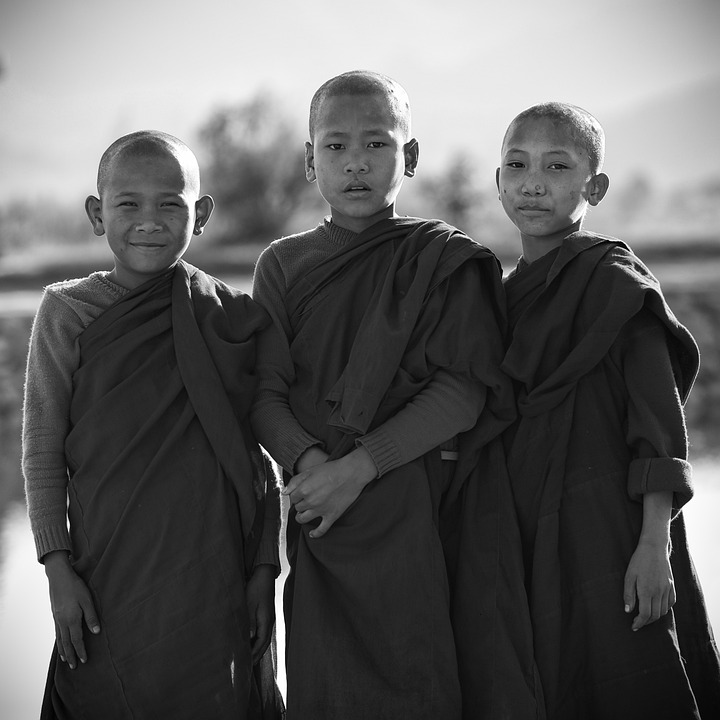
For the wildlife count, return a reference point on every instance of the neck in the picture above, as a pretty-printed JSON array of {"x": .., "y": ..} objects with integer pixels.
[{"x": 534, "y": 247}]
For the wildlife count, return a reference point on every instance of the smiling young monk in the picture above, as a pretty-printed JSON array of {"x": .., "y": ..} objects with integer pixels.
[
  {"x": 139, "y": 383},
  {"x": 385, "y": 344},
  {"x": 598, "y": 455}
]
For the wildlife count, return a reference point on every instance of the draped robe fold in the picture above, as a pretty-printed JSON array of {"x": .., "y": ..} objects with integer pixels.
[
  {"x": 368, "y": 605},
  {"x": 569, "y": 462},
  {"x": 166, "y": 504}
]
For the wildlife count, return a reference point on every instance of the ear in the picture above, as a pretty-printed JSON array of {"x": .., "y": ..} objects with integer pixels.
[
  {"x": 203, "y": 210},
  {"x": 598, "y": 187},
  {"x": 310, "y": 162},
  {"x": 497, "y": 180},
  {"x": 93, "y": 209},
  {"x": 411, "y": 150}
]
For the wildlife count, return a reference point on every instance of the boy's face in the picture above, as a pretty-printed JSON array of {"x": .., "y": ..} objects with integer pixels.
[
  {"x": 545, "y": 182},
  {"x": 149, "y": 210},
  {"x": 359, "y": 156}
]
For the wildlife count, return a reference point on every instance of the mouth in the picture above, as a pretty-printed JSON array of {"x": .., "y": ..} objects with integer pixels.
[
  {"x": 533, "y": 209},
  {"x": 147, "y": 245},
  {"x": 356, "y": 187}
]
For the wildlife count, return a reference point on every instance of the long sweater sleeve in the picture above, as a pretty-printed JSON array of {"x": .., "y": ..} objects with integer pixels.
[
  {"x": 65, "y": 311},
  {"x": 656, "y": 424},
  {"x": 446, "y": 406}
]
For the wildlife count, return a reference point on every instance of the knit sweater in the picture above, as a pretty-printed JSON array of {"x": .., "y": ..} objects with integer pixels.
[
  {"x": 66, "y": 310},
  {"x": 448, "y": 405}
]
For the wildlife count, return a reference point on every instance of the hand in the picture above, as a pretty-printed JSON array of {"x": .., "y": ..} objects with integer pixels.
[
  {"x": 310, "y": 458},
  {"x": 261, "y": 608},
  {"x": 649, "y": 578},
  {"x": 71, "y": 602},
  {"x": 327, "y": 490}
]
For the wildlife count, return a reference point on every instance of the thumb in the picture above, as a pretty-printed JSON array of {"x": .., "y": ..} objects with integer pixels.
[
  {"x": 294, "y": 483},
  {"x": 91, "y": 618},
  {"x": 325, "y": 524},
  {"x": 629, "y": 593}
]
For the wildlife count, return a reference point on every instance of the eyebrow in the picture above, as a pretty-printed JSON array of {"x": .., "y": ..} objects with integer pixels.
[
  {"x": 548, "y": 152},
  {"x": 371, "y": 131}
]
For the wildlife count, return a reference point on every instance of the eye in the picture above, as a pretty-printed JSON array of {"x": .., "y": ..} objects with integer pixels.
[
  {"x": 127, "y": 203},
  {"x": 558, "y": 166},
  {"x": 335, "y": 146},
  {"x": 376, "y": 144},
  {"x": 514, "y": 164}
]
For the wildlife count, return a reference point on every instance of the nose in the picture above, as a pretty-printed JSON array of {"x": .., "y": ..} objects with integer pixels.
[
  {"x": 148, "y": 225},
  {"x": 533, "y": 185},
  {"x": 356, "y": 163}
]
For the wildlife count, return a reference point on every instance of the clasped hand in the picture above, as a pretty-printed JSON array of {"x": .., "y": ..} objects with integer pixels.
[{"x": 327, "y": 488}]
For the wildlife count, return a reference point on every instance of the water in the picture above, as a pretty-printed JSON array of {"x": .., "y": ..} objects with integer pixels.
[{"x": 26, "y": 628}]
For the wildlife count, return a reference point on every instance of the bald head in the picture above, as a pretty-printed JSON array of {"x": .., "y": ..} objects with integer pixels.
[
  {"x": 584, "y": 129},
  {"x": 364, "y": 83},
  {"x": 149, "y": 144}
]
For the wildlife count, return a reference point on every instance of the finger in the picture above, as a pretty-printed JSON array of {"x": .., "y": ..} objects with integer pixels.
[
  {"x": 672, "y": 597},
  {"x": 306, "y": 516},
  {"x": 68, "y": 652},
  {"x": 656, "y": 611},
  {"x": 91, "y": 618},
  {"x": 326, "y": 523},
  {"x": 59, "y": 643},
  {"x": 76, "y": 639},
  {"x": 629, "y": 593},
  {"x": 664, "y": 604},
  {"x": 262, "y": 638},
  {"x": 294, "y": 484},
  {"x": 644, "y": 613}
]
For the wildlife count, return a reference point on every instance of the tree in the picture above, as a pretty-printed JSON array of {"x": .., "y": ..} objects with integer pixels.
[{"x": 254, "y": 169}]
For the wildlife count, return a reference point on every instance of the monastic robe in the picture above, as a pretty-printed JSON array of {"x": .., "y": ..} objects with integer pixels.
[
  {"x": 368, "y": 608},
  {"x": 601, "y": 367},
  {"x": 166, "y": 505}
]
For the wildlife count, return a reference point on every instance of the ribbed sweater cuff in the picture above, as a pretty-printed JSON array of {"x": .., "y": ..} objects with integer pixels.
[
  {"x": 661, "y": 474},
  {"x": 382, "y": 449},
  {"x": 268, "y": 554},
  {"x": 49, "y": 539},
  {"x": 294, "y": 447}
]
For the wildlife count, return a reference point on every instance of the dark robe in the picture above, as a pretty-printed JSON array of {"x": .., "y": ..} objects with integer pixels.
[
  {"x": 368, "y": 608},
  {"x": 581, "y": 455},
  {"x": 166, "y": 505}
]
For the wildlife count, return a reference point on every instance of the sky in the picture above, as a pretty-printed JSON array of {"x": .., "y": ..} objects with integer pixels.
[{"x": 76, "y": 75}]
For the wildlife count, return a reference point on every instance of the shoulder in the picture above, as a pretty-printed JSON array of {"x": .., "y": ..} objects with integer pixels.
[
  {"x": 287, "y": 258},
  {"x": 83, "y": 299},
  {"x": 289, "y": 249},
  {"x": 211, "y": 296}
]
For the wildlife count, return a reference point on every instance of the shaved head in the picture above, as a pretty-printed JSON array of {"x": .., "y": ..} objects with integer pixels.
[
  {"x": 363, "y": 83},
  {"x": 149, "y": 143},
  {"x": 585, "y": 130}
]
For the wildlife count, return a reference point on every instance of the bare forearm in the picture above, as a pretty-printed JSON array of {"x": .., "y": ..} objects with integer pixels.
[{"x": 657, "y": 512}]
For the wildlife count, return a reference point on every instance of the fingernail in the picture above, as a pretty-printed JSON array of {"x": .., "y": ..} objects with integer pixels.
[
  {"x": 95, "y": 629},
  {"x": 627, "y": 608},
  {"x": 62, "y": 657}
]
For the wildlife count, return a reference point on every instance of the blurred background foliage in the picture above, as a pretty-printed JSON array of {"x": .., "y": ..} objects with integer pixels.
[{"x": 251, "y": 157}]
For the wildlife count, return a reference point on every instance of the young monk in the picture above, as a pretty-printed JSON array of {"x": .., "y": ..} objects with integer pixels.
[
  {"x": 385, "y": 344},
  {"x": 598, "y": 456},
  {"x": 139, "y": 382}
]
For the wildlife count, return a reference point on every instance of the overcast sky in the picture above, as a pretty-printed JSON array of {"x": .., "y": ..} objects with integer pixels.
[{"x": 78, "y": 74}]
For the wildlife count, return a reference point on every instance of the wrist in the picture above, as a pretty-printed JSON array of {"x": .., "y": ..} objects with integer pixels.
[
  {"x": 314, "y": 455},
  {"x": 57, "y": 561},
  {"x": 362, "y": 466}
]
